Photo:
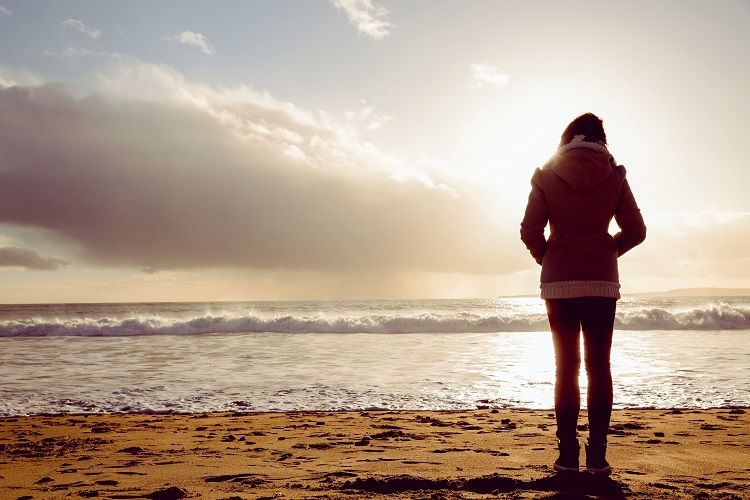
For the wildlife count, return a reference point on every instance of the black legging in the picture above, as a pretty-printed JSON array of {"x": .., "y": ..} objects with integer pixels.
[{"x": 567, "y": 317}]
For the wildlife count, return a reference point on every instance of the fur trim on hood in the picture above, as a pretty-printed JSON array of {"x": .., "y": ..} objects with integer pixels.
[{"x": 583, "y": 165}]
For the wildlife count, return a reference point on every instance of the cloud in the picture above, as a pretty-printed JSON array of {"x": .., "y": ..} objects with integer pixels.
[
  {"x": 76, "y": 53},
  {"x": 701, "y": 248},
  {"x": 368, "y": 118},
  {"x": 194, "y": 39},
  {"x": 486, "y": 74},
  {"x": 78, "y": 25},
  {"x": 317, "y": 139},
  {"x": 4, "y": 11},
  {"x": 371, "y": 20},
  {"x": 22, "y": 257},
  {"x": 10, "y": 76},
  {"x": 160, "y": 173},
  {"x": 6, "y": 82}
]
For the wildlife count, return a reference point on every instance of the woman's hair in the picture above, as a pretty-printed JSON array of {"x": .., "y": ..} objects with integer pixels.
[{"x": 589, "y": 125}]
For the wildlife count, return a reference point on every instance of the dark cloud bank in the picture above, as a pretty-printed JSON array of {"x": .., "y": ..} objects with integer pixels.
[
  {"x": 23, "y": 257},
  {"x": 159, "y": 186}
]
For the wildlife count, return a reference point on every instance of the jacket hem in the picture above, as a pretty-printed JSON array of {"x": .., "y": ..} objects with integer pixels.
[{"x": 583, "y": 288}]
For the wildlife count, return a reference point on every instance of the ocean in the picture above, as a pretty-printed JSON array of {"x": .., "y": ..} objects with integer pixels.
[{"x": 687, "y": 352}]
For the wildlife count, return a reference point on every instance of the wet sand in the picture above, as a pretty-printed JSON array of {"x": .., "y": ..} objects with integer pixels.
[{"x": 482, "y": 453}]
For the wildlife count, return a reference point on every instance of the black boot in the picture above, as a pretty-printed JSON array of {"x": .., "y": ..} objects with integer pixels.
[
  {"x": 596, "y": 461},
  {"x": 568, "y": 459}
]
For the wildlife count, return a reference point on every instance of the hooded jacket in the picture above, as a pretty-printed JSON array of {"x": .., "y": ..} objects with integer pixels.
[{"x": 578, "y": 192}]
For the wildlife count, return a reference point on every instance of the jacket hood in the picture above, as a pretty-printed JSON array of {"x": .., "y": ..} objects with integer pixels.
[{"x": 583, "y": 165}]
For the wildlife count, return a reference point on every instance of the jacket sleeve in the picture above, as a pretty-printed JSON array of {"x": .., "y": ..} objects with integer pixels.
[
  {"x": 628, "y": 217},
  {"x": 535, "y": 219}
]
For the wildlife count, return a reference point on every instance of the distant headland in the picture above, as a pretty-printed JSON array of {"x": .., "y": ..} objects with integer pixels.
[{"x": 696, "y": 292}]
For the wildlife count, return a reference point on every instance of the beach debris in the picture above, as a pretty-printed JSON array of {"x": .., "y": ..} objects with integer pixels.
[{"x": 432, "y": 421}]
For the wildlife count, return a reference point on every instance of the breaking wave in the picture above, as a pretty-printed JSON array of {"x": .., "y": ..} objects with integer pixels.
[{"x": 722, "y": 317}]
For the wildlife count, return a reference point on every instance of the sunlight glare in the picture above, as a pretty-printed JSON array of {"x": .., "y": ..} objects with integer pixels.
[
  {"x": 516, "y": 132},
  {"x": 508, "y": 138}
]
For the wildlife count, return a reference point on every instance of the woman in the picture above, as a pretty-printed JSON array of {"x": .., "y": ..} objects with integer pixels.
[{"x": 578, "y": 192}]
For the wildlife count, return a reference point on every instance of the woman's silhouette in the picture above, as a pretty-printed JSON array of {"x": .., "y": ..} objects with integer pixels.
[{"x": 578, "y": 192}]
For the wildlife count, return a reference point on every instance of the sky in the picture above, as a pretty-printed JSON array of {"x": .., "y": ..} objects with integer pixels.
[{"x": 355, "y": 149}]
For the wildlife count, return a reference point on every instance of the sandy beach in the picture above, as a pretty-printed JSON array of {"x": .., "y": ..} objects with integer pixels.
[{"x": 484, "y": 453}]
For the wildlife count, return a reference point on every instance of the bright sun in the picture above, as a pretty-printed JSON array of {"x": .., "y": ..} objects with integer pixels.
[{"x": 517, "y": 131}]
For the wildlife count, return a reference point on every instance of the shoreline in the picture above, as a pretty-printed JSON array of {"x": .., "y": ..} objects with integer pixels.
[
  {"x": 655, "y": 453},
  {"x": 371, "y": 410}
]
